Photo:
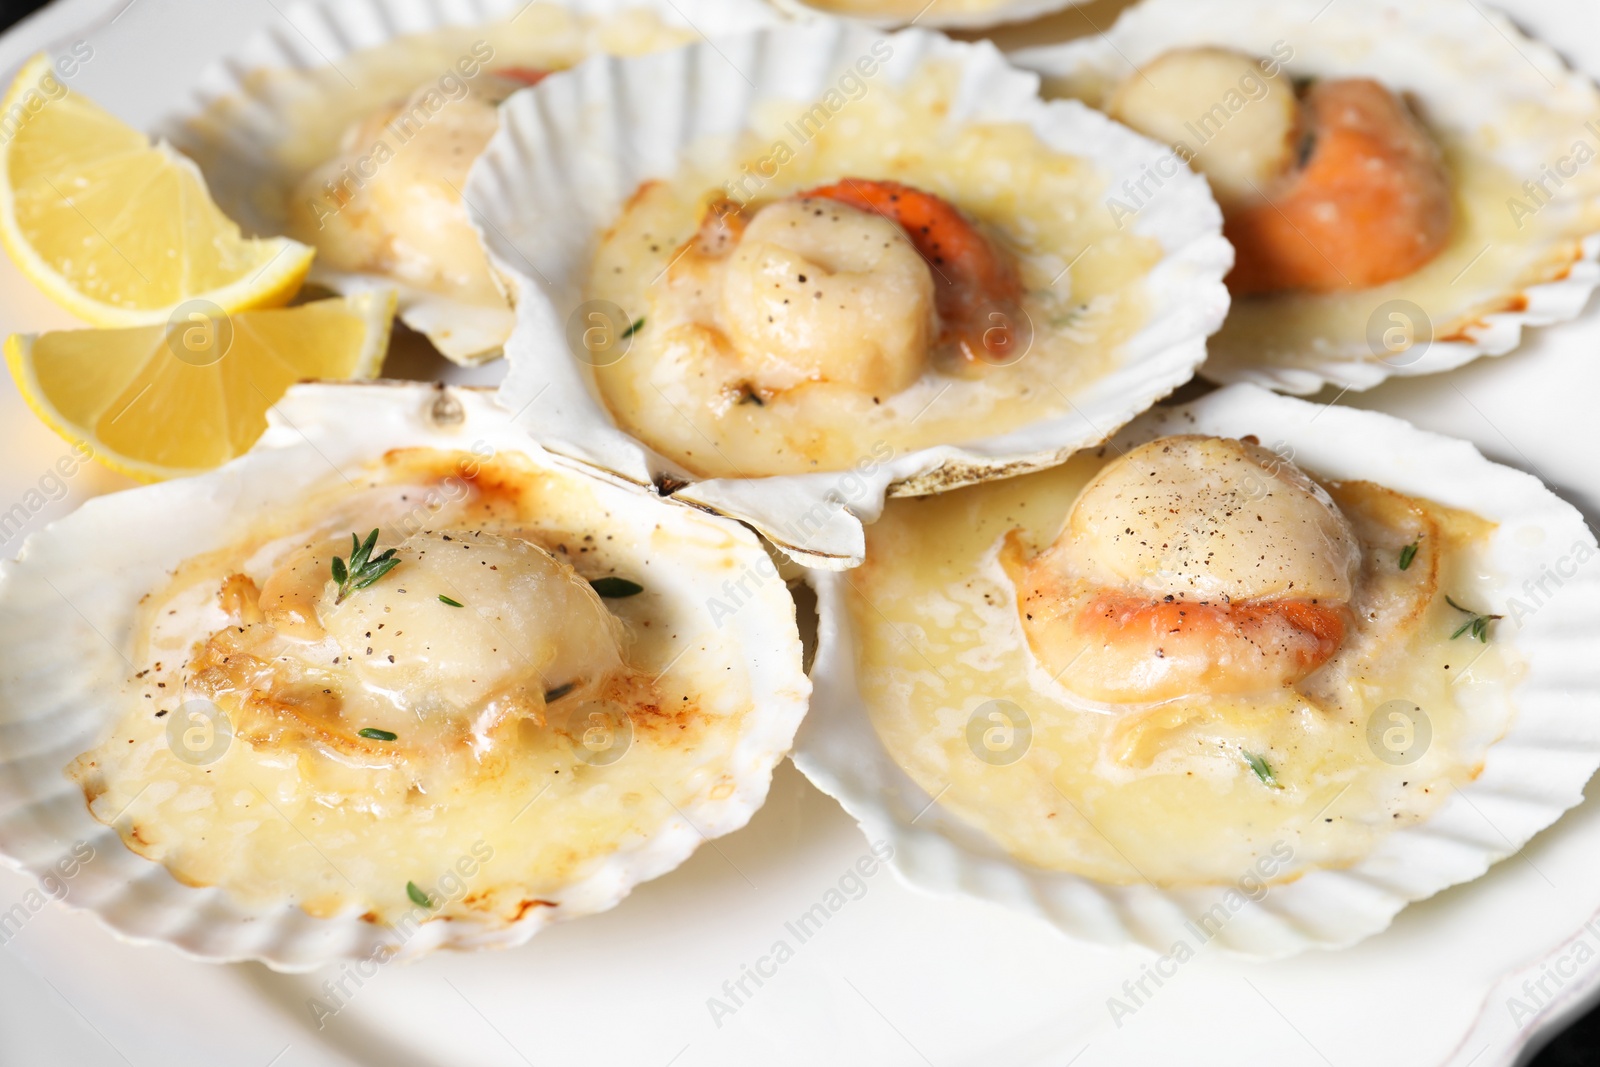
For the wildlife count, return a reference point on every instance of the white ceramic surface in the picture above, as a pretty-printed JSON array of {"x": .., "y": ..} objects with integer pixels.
[{"x": 897, "y": 978}]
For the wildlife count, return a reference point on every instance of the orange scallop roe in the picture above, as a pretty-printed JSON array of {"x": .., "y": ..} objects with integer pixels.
[
  {"x": 976, "y": 286},
  {"x": 1369, "y": 202}
]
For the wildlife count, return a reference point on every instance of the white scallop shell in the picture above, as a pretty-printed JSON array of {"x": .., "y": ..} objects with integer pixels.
[
  {"x": 553, "y": 179},
  {"x": 66, "y": 629},
  {"x": 1531, "y": 775},
  {"x": 1470, "y": 71},
  {"x": 237, "y": 153}
]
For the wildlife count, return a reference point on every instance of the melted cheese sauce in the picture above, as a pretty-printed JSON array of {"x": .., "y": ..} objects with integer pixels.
[
  {"x": 1494, "y": 253},
  {"x": 526, "y": 746},
  {"x": 1083, "y": 280},
  {"x": 1165, "y": 791}
]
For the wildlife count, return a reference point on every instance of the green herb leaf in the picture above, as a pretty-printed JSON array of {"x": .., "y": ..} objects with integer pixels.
[
  {"x": 362, "y": 570},
  {"x": 638, "y": 324},
  {"x": 360, "y": 550},
  {"x": 1407, "y": 554},
  {"x": 1262, "y": 768},
  {"x": 614, "y": 588},
  {"x": 418, "y": 897},
  {"x": 377, "y": 569},
  {"x": 446, "y": 600},
  {"x": 1478, "y": 625},
  {"x": 372, "y": 733},
  {"x": 553, "y": 695}
]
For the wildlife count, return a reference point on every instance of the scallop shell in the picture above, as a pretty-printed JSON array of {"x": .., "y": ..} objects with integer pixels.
[
  {"x": 1530, "y": 776},
  {"x": 1473, "y": 76},
  {"x": 553, "y": 179},
  {"x": 67, "y": 611},
  {"x": 235, "y": 120}
]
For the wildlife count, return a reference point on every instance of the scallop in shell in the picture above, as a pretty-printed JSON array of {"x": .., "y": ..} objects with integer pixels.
[
  {"x": 832, "y": 265},
  {"x": 1256, "y": 673},
  {"x": 1431, "y": 194},
  {"x": 394, "y": 680},
  {"x": 354, "y": 125}
]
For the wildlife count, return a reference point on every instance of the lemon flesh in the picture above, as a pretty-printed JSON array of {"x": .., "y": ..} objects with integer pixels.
[
  {"x": 117, "y": 230},
  {"x": 168, "y": 400}
]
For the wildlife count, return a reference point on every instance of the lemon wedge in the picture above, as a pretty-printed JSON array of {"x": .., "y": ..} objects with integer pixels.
[
  {"x": 116, "y": 230},
  {"x": 163, "y": 401}
]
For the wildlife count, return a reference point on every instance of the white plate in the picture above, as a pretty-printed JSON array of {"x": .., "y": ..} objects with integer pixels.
[{"x": 893, "y": 978}]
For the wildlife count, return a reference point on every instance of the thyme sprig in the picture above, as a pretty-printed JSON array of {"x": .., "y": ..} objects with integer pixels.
[
  {"x": 362, "y": 570},
  {"x": 1478, "y": 625},
  {"x": 1262, "y": 768}
]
